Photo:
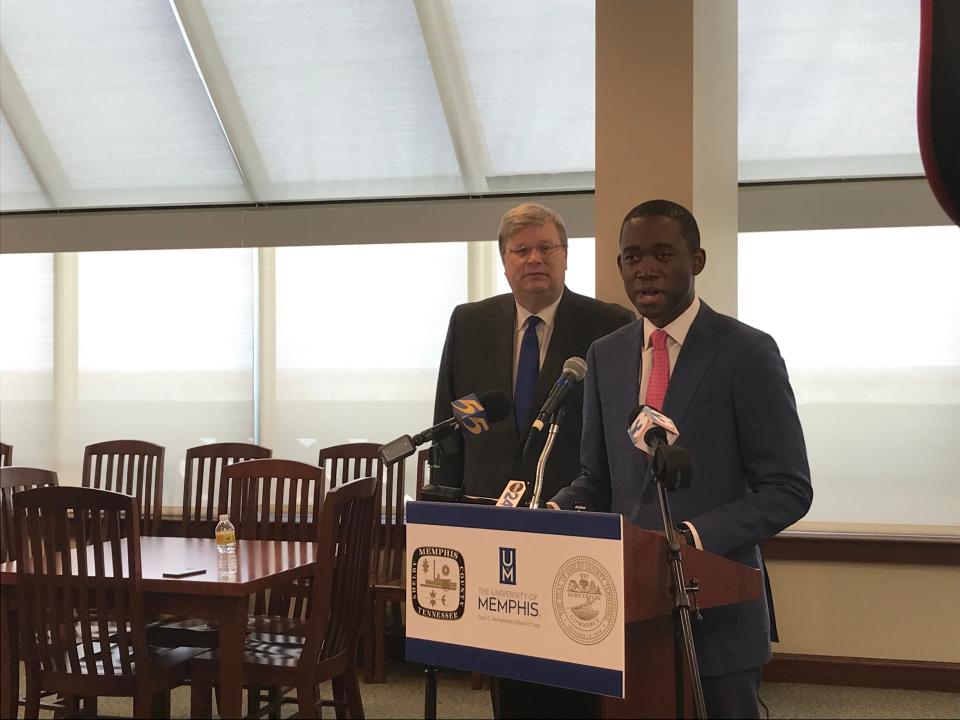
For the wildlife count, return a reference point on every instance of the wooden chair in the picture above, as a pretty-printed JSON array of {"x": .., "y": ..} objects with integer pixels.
[
  {"x": 278, "y": 500},
  {"x": 206, "y": 495},
  {"x": 267, "y": 499},
  {"x": 328, "y": 647},
  {"x": 131, "y": 467},
  {"x": 70, "y": 600},
  {"x": 390, "y": 592},
  {"x": 14, "y": 480},
  {"x": 6, "y": 455},
  {"x": 341, "y": 463}
]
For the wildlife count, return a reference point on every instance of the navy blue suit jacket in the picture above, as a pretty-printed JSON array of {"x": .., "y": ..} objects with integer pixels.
[{"x": 731, "y": 399}]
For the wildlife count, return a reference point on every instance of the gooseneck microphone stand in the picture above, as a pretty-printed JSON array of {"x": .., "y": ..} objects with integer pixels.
[
  {"x": 668, "y": 465},
  {"x": 555, "y": 419}
]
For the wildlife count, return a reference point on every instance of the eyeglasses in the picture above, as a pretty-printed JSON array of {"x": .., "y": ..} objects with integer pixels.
[{"x": 545, "y": 250}]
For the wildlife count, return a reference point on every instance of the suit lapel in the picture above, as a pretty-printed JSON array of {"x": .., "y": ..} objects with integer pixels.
[
  {"x": 626, "y": 401},
  {"x": 699, "y": 349},
  {"x": 561, "y": 340},
  {"x": 501, "y": 354}
]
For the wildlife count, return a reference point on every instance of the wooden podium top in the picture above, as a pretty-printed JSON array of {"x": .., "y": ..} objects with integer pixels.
[{"x": 647, "y": 593}]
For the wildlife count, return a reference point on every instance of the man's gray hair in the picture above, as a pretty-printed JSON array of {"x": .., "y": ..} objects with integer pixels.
[{"x": 527, "y": 215}]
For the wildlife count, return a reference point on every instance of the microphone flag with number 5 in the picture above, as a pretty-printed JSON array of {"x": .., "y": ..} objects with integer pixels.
[{"x": 470, "y": 414}]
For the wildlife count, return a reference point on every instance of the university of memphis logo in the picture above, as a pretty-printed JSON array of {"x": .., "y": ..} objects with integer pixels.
[
  {"x": 437, "y": 582},
  {"x": 584, "y": 600},
  {"x": 508, "y": 566}
]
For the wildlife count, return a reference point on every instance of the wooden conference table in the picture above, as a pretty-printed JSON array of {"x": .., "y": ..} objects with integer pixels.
[{"x": 261, "y": 564}]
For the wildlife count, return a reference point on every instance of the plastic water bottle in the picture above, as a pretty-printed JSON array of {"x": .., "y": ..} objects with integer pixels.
[
  {"x": 227, "y": 566},
  {"x": 226, "y": 535}
]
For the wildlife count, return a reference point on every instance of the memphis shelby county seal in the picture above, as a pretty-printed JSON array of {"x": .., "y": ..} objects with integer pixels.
[
  {"x": 584, "y": 600},
  {"x": 438, "y": 583}
]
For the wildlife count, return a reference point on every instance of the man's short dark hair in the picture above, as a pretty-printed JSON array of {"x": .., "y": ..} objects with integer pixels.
[{"x": 668, "y": 209}]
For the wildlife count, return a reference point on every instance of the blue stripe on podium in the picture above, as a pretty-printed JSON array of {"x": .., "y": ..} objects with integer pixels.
[
  {"x": 486, "y": 517},
  {"x": 522, "y": 667}
]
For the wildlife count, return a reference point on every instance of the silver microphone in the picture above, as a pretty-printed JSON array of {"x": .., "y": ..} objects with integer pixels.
[{"x": 574, "y": 370}]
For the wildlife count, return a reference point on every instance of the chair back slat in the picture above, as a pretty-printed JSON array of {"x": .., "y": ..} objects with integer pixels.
[
  {"x": 341, "y": 581},
  {"x": 78, "y": 586},
  {"x": 6, "y": 455},
  {"x": 13, "y": 480},
  {"x": 151, "y": 504},
  {"x": 390, "y": 541},
  {"x": 86, "y": 612},
  {"x": 354, "y": 460},
  {"x": 131, "y": 467},
  {"x": 206, "y": 493}
]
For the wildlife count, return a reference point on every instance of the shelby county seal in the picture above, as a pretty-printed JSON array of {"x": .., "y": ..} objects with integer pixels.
[{"x": 584, "y": 600}]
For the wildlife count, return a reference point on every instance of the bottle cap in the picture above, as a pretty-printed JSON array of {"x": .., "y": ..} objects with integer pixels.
[{"x": 225, "y": 518}]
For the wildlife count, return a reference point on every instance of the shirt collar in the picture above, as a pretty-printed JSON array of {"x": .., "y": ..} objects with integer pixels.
[
  {"x": 678, "y": 329},
  {"x": 546, "y": 315}
]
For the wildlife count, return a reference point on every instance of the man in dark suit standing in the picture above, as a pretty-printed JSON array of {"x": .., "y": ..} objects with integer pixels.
[
  {"x": 517, "y": 343},
  {"x": 725, "y": 386}
]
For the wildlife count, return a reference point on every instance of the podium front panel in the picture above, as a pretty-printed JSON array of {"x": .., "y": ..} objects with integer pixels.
[{"x": 534, "y": 595}]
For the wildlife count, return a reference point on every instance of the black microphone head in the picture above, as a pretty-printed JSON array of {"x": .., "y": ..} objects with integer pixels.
[
  {"x": 674, "y": 466},
  {"x": 496, "y": 404},
  {"x": 576, "y": 367},
  {"x": 655, "y": 434}
]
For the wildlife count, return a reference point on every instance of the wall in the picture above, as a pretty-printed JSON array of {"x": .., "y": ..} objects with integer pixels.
[{"x": 903, "y": 612}]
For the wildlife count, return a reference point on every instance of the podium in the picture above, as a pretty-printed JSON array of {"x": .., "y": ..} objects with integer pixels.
[{"x": 571, "y": 599}]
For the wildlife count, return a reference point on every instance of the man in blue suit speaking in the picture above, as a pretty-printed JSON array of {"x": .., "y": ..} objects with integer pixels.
[{"x": 726, "y": 387}]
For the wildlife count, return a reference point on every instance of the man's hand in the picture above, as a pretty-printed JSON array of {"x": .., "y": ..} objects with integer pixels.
[{"x": 552, "y": 505}]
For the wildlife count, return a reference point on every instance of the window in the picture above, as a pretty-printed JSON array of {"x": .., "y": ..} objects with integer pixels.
[
  {"x": 313, "y": 100},
  {"x": 116, "y": 95},
  {"x": 166, "y": 350},
  {"x": 532, "y": 73},
  {"x": 359, "y": 333},
  {"x": 868, "y": 322},
  {"x": 19, "y": 189},
  {"x": 26, "y": 358},
  {"x": 828, "y": 89},
  {"x": 339, "y": 96}
]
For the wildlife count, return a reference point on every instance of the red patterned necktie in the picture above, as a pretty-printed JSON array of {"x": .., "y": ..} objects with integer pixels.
[{"x": 659, "y": 372}]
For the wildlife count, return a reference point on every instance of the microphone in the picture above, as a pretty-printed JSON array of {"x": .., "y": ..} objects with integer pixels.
[
  {"x": 654, "y": 433},
  {"x": 469, "y": 414},
  {"x": 648, "y": 429},
  {"x": 512, "y": 493},
  {"x": 574, "y": 370}
]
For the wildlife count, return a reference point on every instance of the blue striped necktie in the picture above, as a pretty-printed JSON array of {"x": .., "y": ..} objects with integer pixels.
[{"x": 528, "y": 370}]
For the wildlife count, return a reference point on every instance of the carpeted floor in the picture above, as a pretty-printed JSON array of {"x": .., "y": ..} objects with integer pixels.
[{"x": 402, "y": 697}]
